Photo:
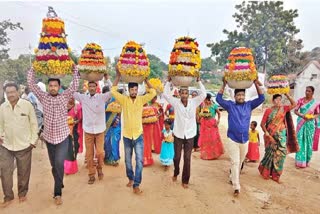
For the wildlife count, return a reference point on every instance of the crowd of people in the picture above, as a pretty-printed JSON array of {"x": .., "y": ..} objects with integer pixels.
[{"x": 70, "y": 123}]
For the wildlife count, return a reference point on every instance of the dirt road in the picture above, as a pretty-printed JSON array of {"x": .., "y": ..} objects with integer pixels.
[{"x": 209, "y": 191}]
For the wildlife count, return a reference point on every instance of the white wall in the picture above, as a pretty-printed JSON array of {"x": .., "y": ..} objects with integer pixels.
[{"x": 304, "y": 80}]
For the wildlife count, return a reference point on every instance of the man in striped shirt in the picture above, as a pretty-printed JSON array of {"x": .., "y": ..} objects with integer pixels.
[{"x": 56, "y": 130}]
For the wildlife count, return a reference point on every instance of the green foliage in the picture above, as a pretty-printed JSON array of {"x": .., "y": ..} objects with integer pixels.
[
  {"x": 208, "y": 64},
  {"x": 268, "y": 30},
  {"x": 4, "y": 39},
  {"x": 156, "y": 66},
  {"x": 15, "y": 70}
]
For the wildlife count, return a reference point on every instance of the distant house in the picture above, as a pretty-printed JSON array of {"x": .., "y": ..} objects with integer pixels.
[{"x": 308, "y": 76}]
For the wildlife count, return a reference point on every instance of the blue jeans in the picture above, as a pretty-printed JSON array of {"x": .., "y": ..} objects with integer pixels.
[
  {"x": 57, "y": 154},
  {"x": 137, "y": 145}
]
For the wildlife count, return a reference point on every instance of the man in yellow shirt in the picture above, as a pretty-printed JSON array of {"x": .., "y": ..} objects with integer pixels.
[
  {"x": 132, "y": 106},
  {"x": 18, "y": 135}
]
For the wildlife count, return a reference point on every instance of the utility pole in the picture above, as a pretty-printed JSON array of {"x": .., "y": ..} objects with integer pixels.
[{"x": 30, "y": 54}]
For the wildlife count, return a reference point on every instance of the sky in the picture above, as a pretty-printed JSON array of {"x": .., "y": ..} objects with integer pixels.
[{"x": 155, "y": 23}]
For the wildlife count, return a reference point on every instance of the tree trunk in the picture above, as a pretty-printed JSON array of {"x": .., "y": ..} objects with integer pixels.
[{"x": 265, "y": 61}]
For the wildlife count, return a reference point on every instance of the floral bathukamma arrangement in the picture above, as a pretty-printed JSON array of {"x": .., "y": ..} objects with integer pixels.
[
  {"x": 185, "y": 61},
  {"x": 156, "y": 84},
  {"x": 92, "y": 64},
  {"x": 52, "y": 55},
  {"x": 149, "y": 115},
  {"x": 205, "y": 112},
  {"x": 133, "y": 64},
  {"x": 114, "y": 107},
  {"x": 278, "y": 84},
  {"x": 240, "y": 71}
]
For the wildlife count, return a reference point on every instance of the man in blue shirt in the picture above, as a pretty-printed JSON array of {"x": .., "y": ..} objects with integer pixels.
[{"x": 239, "y": 115}]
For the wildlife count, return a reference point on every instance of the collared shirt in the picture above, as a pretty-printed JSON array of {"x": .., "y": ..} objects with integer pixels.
[
  {"x": 55, "y": 112},
  {"x": 18, "y": 126},
  {"x": 93, "y": 110},
  {"x": 185, "y": 125},
  {"x": 132, "y": 111},
  {"x": 239, "y": 116}
]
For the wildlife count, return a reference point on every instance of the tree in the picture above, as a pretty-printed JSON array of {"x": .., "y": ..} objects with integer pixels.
[
  {"x": 156, "y": 66},
  {"x": 4, "y": 39},
  {"x": 15, "y": 69},
  {"x": 267, "y": 29},
  {"x": 208, "y": 64}
]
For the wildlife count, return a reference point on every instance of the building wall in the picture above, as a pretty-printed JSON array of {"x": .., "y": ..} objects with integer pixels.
[{"x": 305, "y": 79}]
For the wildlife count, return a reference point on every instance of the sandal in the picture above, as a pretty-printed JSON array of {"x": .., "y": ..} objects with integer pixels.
[{"x": 91, "y": 180}]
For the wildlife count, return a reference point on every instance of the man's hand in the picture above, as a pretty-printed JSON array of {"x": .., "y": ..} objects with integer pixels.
[
  {"x": 257, "y": 82},
  {"x": 117, "y": 71},
  {"x": 224, "y": 81}
]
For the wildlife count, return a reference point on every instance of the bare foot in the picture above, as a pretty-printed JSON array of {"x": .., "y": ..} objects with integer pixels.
[
  {"x": 278, "y": 181},
  {"x": 58, "y": 200},
  {"x": 185, "y": 186},
  {"x": 130, "y": 183},
  {"x": 236, "y": 193},
  {"x": 6, "y": 203},
  {"x": 174, "y": 178},
  {"x": 137, "y": 191},
  {"x": 22, "y": 199}
]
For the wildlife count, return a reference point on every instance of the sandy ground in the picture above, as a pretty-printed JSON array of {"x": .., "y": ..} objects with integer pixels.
[{"x": 209, "y": 191}]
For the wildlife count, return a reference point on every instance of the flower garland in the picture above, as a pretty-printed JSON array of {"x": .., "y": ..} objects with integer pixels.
[
  {"x": 133, "y": 61},
  {"x": 185, "y": 58},
  {"x": 241, "y": 65},
  {"x": 52, "y": 54},
  {"x": 156, "y": 84},
  {"x": 278, "y": 84},
  {"x": 92, "y": 59}
]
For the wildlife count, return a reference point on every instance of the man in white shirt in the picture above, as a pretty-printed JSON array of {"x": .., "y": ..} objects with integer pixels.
[
  {"x": 18, "y": 136},
  {"x": 41, "y": 85},
  {"x": 94, "y": 126},
  {"x": 185, "y": 126}
]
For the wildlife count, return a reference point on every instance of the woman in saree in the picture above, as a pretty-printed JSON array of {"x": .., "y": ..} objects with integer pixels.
[
  {"x": 159, "y": 107},
  {"x": 156, "y": 146},
  {"x": 308, "y": 111},
  {"x": 113, "y": 133},
  {"x": 279, "y": 137},
  {"x": 209, "y": 140},
  {"x": 151, "y": 134},
  {"x": 74, "y": 117}
]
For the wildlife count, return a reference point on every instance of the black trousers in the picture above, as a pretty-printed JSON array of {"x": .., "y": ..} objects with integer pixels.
[{"x": 186, "y": 145}]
